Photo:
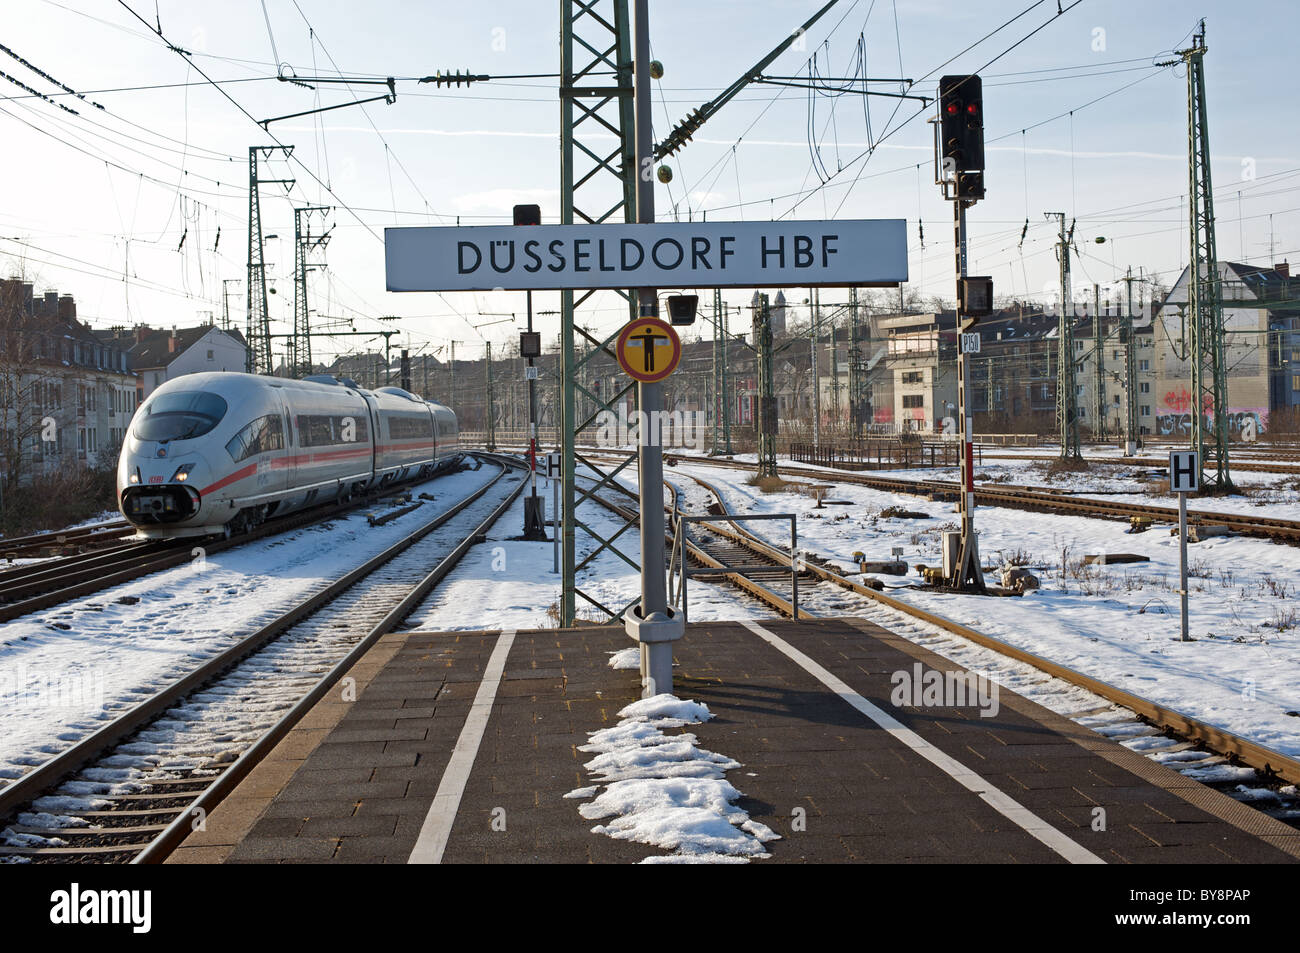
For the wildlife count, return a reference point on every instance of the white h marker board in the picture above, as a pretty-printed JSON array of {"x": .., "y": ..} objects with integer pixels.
[{"x": 1184, "y": 471}]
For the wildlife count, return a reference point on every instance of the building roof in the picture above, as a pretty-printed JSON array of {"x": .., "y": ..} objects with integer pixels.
[{"x": 156, "y": 350}]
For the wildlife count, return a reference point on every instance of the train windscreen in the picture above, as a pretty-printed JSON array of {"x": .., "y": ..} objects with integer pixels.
[{"x": 179, "y": 416}]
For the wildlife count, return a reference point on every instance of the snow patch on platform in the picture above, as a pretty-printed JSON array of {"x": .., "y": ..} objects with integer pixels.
[
  {"x": 625, "y": 658},
  {"x": 665, "y": 790}
]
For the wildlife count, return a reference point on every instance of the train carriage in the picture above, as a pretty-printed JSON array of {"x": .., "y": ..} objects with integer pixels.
[{"x": 217, "y": 452}]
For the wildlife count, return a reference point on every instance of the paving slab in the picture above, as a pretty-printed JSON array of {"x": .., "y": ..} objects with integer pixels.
[{"x": 363, "y": 779}]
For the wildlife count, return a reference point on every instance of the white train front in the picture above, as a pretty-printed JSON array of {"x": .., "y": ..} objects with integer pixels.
[{"x": 211, "y": 453}]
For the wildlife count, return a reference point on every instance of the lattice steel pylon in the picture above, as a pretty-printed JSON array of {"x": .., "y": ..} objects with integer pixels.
[
  {"x": 1204, "y": 298},
  {"x": 721, "y": 390},
  {"x": 1067, "y": 398},
  {"x": 597, "y": 185},
  {"x": 260, "y": 359},
  {"x": 303, "y": 243}
]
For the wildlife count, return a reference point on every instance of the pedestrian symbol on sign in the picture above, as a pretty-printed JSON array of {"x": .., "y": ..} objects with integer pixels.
[
  {"x": 647, "y": 339},
  {"x": 648, "y": 350}
]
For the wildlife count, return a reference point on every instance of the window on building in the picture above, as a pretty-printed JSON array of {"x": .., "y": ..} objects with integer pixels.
[
  {"x": 913, "y": 377},
  {"x": 1145, "y": 410},
  {"x": 1144, "y": 387},
  {"x": 1295, "y": 381},
  {"x": 913, "y": 400},
  {"x": 1144, "y": 365},
  {"x": 211, "y": 354}
]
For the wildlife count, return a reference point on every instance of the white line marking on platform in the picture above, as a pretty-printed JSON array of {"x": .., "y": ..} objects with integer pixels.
[
  {"x": 435, "y": 830},
  {"x": 1001, "y": 802}
]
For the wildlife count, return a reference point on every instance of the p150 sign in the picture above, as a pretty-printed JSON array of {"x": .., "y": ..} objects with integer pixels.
[{"x": 669, "y": 255}]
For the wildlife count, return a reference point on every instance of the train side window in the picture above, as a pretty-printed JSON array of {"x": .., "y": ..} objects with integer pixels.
[{"x": 259, "y": 436}]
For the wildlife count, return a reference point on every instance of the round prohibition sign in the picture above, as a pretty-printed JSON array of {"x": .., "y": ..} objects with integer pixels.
[{"x": 648, "y": 350}]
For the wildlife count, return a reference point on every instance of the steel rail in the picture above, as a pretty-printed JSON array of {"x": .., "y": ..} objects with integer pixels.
[
  {"x": 1262, "y": 759},
  {"x": 173, "y": 553},
  {"x": 180, "y": 827},
  {"x": 30, "y": 786}
]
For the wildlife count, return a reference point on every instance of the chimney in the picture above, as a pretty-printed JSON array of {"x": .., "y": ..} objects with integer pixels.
[
  {"x": 67, "y": 308},
  {"x": 1283, "y": 269},
  {"x": 49, "y": 306},
  {"x": 142, "y": 331},
  {"x": 171, "y": 342}
]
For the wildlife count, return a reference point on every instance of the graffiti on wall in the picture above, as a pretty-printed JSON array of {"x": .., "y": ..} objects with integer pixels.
[{"x": 1174, "y": 416}]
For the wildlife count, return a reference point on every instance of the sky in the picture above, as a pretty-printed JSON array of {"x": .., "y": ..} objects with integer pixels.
[{"x": 120, "y": 204}]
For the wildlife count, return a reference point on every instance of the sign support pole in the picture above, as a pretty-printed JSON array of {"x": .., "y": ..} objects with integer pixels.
[
  {"x": 967, "y": 575},
  {"x": 1184, "y": 478},
  {"x": 1182, "y": 560},
  {"x": 652, "y": 623}
]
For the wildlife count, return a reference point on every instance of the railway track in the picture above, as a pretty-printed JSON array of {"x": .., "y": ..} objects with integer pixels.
[
  {"x": 36, "y": 586},
  {"x": 134, "y": 789},
  {"x": 1176, "y": 739},
  {"x": 1044, "y": 501},
  {"x": 1259, "y": 466},
  {"x": 64, "y": 542},
  {"x": 1194, "y": 747}
]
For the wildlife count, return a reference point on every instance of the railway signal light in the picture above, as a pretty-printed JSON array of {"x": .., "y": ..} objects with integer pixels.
[
  {"x": 681, "y": 308},
  {"x": 528, "y": 215},
  {"x": 975, "y": 296},
  {"x": 961, "y": 124}
]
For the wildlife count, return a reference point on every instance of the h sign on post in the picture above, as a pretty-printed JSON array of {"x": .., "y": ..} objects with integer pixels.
[
  {"x": 1184, "y": 478},
  {"x": 1184, "y": 471}
]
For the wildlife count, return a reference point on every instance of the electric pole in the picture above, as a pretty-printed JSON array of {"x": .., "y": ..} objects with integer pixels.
[
  {"x": 813, "y": 314},
  {"x": 1130, "y": 375},
  {"x": 303, "y": 243},
  {"x": 835, "y": 379},
  {"x": 767, "y": 415},
  {"x": 1067, "y": 415},
  {"x": 1204, "y": 299},
  {"x": 1098, "y": 345},
  {"x": 260, "y": 359},
  {"x": 225, "y": 301},
  {"x": 722, "y": 409},
  {"x": 490, "y": 425}
]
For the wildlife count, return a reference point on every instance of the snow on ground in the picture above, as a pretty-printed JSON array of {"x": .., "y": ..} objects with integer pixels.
[
  {"x": 106, "y": 516},
  {"x": 665, "y": 790},
  {"x": 66, "y": 670},
  {"x": 509, "y": 582},
  {"x": 1274, "y": 495},
  {"x": 1118, "y": 623}
]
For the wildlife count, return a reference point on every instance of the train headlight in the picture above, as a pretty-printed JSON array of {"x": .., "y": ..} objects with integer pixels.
[
  {"x": 182, "y": 473},
  {"x": 133, "y": 478}
]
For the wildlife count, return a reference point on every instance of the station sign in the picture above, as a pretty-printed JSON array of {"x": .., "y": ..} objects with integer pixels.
[
  {"x": 1184, "y": 471},
  {"x": 648, "y": 350},
  {"x": 849, "y": 253}
]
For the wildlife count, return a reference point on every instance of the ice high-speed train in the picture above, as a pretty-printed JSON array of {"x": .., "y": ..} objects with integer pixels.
[{"x": 211, "y": 453}]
